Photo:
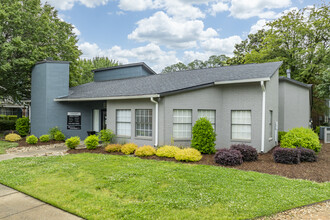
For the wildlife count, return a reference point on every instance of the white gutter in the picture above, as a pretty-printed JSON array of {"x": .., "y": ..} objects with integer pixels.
[
  {"x": 156, "y": 126},
  {"x": 263, "y": 119},
  {"x": 106, "y": 98},
  {"x": 242, "y": 81}
]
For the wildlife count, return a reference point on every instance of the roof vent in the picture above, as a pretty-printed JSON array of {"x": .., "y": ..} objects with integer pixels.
[{"x": 288, "y": 73}]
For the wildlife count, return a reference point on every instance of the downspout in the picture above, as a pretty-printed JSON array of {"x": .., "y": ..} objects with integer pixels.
[
  {"x": 263, "y": 119},
  {"x": 156, "y": 126}
]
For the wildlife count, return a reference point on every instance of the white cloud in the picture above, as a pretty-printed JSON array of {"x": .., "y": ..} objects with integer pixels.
[
  {"x": 261, "y": 24},
  {"x": 190, "y": 56},
  {"x": 218, "y": 7},
  {"x": 164, "y": 30},
  {"x": 221, "y": 46},
  {"x": 137, "y": 5},
  {"x": 259, "y": 8},
  {"x": 151, "y": 54},
  {"x": 75, "y": 30},
  {"x": 68, "y": 4}
]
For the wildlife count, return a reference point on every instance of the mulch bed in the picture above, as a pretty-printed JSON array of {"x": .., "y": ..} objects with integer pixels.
[
  {"x": 318, "y": 171},
  {"x": 22, "y": 143}
]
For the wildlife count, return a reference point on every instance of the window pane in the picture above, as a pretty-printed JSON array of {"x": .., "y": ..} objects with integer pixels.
[
  {"x": 241, "y": 125},
  {"x": 182, "y": 123},
  {"x": 123, "y": 122},
  {"x": 143, "y": 119}
]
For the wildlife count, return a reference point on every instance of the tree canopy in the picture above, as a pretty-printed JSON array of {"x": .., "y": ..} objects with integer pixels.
[
  {"x": 30, "y": 32},
  {"x": 213, "y": 61}
]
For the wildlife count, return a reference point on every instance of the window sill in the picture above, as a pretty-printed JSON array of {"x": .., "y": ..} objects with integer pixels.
[
  {"x": 270, "y": 139},
  {"x": 143, "y": 138},
  {"x": 240, "y": 140},
  {"x": 182, "y": 139}
]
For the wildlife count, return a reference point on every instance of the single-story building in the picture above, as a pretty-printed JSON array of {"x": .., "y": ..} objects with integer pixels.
[{"x": 245, "y": 103}]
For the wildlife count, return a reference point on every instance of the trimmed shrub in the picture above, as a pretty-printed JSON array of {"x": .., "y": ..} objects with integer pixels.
[
  {"x": 317, "y": 130},
  {"x": 301, "y": 137},
  {"x": 113, "y": 148},
  {"x": 12, "y": 137},
  {"x": 7, "y": 125},
  {"x": 128, "y": 148},
  {"x": 188, "y": 154},
  {"x": 52, "y": 131},
  {"x": 91, "y": 142},
  {"x": 307, "y": 155},
  {"x": 228, "y": 157},
  {"x": 23, "y": 126},
  {"x": 203, "y": 136},
  {"x": 59, "y": 136},
  {"x": 72, "y": 142},
  {"x": 248, "y": 153},
  {"x": 44, "y": 138},
  {"x": 145, "y": 150},
  {"x": 286, "y": 155},
  {"x": 106, "y": 135},
  {"x": 167, "y": 151},
  {"x": 280, "y": 135},
  {"x": 31, "y": 139}
]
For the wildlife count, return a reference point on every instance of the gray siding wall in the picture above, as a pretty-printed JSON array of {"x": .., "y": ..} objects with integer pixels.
[
  {"x": 49, "y": 81},
  {"x": 294, "y": 106},
  {"x": 113, "y": 105},
  {"x": 271, "y": 105},
  {"x": 122, "y": 73},
  {"x": 223, "y": 99}
]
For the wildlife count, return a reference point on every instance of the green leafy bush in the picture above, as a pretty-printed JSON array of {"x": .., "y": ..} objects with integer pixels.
[
  {"x": 113, "y": 148},
  {"x": 188, "y": 154},
  {"x": 12, "y": 137},
  {"x": 106, "y": 135},
  {"x": 317, "y": 130},
  {"x": 203, "y": 136},
  {"x": 23, "y": 126},
  {"x": 44, "y": 138},
  {"x": 145, "y": 150},
  {"x": 167, "y": 151},
  {"x": 72, "y": 142},
  {"x": 31, "y": 139},
  {"x": 301, "y": 137},
  {"x": 52, "y": 131},
  {"x": 7, "y": 125},
  {"x": 91, "y": 142},
  {"x": 59, "y": 136},
  {"x": 280, "y": 135},
  {"x": 128, "y": 148}
]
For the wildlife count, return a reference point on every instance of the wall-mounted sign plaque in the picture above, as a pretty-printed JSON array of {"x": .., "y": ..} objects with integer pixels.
[{"x": 74, "y": 120}]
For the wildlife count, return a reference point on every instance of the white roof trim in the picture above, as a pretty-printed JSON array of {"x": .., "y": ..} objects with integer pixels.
[
  {"x": 241, "y": 81},
  {"x": 108, "y": 98}
]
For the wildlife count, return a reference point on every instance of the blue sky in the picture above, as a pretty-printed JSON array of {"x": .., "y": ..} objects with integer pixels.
[{"x": 164, "y": 32}]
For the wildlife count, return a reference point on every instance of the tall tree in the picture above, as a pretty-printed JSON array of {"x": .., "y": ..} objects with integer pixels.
[
  {"x": 30, "y": 32},
  {"x": 213, "y": 61},
  {"x": 85, "y": 67}
]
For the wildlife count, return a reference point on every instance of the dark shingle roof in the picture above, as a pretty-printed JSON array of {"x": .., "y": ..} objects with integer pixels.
[
  {"x": 283, "y": 78},
  {"x": 169, "y": 82}
]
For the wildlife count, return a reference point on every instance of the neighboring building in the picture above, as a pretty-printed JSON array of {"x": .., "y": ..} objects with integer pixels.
[
  {"x": 8, "y": 107},
  {"x": 242, "y": 102}
]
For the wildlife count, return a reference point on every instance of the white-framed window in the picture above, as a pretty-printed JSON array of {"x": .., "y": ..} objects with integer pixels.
[
  {"x": 182, "y": 123},
  {"x": 209, "y": 114},
  {"x": 241, "y": 124},
  {"x": 123, "y": 122},
  {"x": 271, "y": 123},
  {"x": 143, "y": 122}
]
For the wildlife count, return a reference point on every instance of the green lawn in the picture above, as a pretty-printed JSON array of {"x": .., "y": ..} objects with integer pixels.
[
  {"x": 97, "y": 186},
  {"x": 5, "y": 145}
]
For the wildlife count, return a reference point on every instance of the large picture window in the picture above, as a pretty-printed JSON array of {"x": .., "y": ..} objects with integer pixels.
[
  {"x": 241, "y": 125},
  {"x": 123, "y": 122},
  {"x": 209, "y": 114},
  {"x": 182, "y": 123},
  {"x": 143, "y": 122}
]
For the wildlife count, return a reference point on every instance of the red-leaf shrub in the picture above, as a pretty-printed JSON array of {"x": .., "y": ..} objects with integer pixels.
[
  {"x": 307, "y": 155},
  {"x": 286, "y": 155},
  {"x": 249, "y": 153},
  {"x": 228, "y": 157}
]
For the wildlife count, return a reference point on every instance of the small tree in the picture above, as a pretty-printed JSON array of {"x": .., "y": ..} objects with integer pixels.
[
  {"x": 23, "y": 126},
  {"x": 203, "y": 136}
]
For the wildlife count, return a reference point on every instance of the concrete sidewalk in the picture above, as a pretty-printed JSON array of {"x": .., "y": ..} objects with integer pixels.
[{"x": 16, "y": 205}]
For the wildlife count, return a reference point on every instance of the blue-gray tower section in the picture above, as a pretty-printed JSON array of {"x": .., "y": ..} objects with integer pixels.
[{"x": 50, "y": 80}]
